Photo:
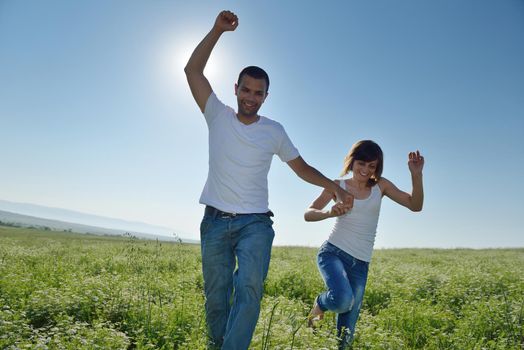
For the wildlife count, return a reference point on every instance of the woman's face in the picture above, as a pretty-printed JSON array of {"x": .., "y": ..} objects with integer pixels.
[{"x": 363, "y": 171}]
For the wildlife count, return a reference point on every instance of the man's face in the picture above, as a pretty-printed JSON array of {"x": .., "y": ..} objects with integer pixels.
[{"x": 251, "y": 94}]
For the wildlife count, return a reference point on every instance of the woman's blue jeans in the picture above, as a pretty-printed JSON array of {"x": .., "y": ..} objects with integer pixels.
[
  {"x": 233, "y": 296},
  {"x": 345, "y": 278}
]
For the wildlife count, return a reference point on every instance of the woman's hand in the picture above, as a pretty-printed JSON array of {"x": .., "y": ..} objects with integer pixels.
[
  {"x": 415, "y": 163},
  {"x": 338, "y": 209}
]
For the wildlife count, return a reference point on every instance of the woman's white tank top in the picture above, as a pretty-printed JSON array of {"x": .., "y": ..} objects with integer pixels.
[{"x": 355, "y": 231}]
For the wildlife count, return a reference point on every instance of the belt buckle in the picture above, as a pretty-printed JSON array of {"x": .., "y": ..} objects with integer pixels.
[{"x": 225, "y": 215}]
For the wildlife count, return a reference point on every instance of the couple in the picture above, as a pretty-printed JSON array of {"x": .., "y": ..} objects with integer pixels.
[{"x": 236, "y": 230}]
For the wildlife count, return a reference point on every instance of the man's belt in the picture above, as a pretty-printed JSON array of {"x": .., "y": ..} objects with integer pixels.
[{"x": 212, "y": 211}]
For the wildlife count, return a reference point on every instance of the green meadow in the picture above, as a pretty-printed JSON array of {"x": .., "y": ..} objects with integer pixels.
[{"x": 63, "y": 290}]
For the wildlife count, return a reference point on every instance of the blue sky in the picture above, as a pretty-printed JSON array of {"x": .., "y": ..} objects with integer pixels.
[{"x": 96, "y": 115}]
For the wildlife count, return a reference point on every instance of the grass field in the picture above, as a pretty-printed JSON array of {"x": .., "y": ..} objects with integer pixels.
[{"x": 70, "y": 291}]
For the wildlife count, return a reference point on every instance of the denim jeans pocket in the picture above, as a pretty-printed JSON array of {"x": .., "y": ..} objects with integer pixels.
[
  {"x": 265, "y": 218},
  {"x": 205, "y": 225},
  {"x": 328, "y": 248}
]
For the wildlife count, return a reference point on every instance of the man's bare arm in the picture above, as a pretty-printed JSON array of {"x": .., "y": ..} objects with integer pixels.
[
  {"x": 309, "y": 174},
  {"x": 198, "y": 83}
]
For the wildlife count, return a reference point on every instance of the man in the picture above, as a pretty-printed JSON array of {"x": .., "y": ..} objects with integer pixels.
[{"x": 237, "y": 225}]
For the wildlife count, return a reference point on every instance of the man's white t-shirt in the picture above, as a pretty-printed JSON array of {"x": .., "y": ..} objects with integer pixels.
[{"x": 239, "y": 159}]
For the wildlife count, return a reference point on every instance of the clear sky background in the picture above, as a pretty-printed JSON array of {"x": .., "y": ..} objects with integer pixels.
[{"x": 96, "y": 115}]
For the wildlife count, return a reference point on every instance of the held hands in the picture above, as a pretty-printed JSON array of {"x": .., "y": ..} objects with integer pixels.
[
  {"x": 415, "y": 163},
  {"x": 339, "y": 208},
  {"x": 344, "y": 202},
  {"x": 226, "y": 21}
]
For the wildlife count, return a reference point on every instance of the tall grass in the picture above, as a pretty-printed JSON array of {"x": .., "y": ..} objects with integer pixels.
[{"x": 69, "y": 291}]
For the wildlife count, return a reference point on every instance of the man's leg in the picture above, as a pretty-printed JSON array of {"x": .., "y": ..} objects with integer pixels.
[
  {"x": 253, "y": 242},
  {"x": 218, "y": 263}
]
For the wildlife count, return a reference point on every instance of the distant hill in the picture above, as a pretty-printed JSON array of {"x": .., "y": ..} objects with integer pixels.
[{"x": 31, "y": 215}]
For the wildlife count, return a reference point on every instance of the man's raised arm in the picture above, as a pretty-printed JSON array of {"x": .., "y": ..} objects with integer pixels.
[{"x": 198, "y": 83}]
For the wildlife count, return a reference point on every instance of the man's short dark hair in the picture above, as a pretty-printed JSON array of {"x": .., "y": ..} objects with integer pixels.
[{"x": 254, "y": 72}]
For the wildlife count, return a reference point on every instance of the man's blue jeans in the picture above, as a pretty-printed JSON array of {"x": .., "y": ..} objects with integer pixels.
[
  {"x": 345, "y": 278},
  {"x": 233, "y": 296}
]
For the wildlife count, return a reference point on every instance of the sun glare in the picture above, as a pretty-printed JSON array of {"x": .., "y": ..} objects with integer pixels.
[{"x": 183, "y": 52}]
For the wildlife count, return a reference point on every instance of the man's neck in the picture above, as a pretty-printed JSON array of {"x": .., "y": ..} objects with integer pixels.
[{"x": 248, "y": 119}]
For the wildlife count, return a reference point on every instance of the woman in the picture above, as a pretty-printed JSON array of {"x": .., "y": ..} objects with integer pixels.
[{"x": 344, "y": 258}]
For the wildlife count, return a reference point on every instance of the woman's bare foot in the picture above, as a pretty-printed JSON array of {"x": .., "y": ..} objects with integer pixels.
[{"x": 316, "y": 314}]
